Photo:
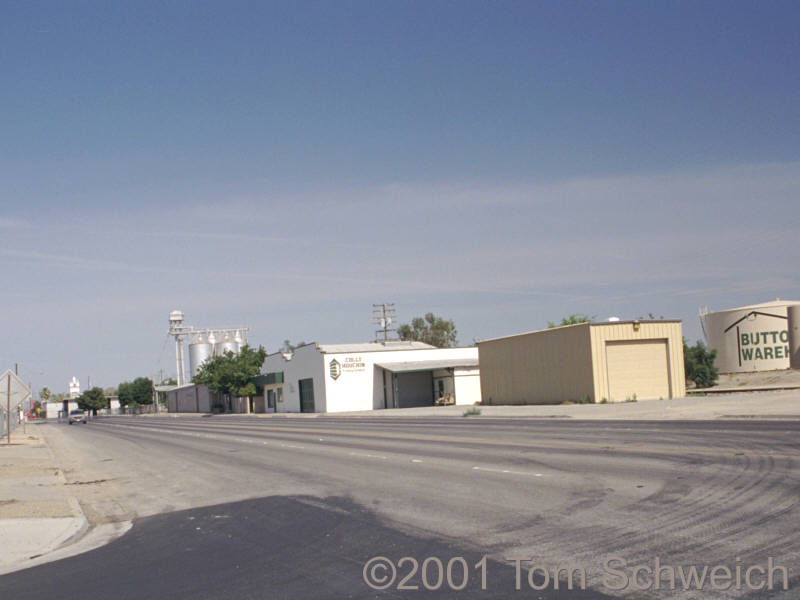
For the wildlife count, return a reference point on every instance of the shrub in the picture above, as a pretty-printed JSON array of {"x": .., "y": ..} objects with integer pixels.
[
  {"x": 699, "y": 364},
  {"x": 472, "y": 411}
]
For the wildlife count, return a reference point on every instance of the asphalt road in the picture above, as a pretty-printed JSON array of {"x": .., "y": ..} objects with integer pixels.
[{"x": 295, "y": 507}]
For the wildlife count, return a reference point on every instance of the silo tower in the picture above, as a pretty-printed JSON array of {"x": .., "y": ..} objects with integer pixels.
[
  {"x": 204, "y": 343},
  {"x": 178, "y": 330}
]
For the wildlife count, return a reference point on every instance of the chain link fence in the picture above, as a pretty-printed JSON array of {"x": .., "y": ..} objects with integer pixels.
[{"x": 15, "y": 418}]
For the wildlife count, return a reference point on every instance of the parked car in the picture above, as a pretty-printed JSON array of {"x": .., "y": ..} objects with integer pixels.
[{"x": 78, "y": 416}]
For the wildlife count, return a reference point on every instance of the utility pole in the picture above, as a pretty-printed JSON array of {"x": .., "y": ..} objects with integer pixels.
[
  {"x": 383, "y": 315},
  {"x": 155, "y": 396},
  {"x": 8, "y": 412}
]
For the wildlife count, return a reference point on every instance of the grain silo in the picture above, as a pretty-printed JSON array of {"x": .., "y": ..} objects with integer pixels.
[
  {"x": 749, "y": 338},
  {"x": 205, "y": 343},
  {"x": 227, "y": 344},
  {"x": 200, "y": 350}
]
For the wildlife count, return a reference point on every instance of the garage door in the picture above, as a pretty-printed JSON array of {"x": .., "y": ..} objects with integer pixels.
[{"x": 637, "y": 367}]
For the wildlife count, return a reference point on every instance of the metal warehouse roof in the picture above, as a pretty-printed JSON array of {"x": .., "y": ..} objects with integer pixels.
[
  {"x": 583, "y": 324},
  {"x": 428, "y": 365},
  {"x": 169, "y": 388},
  {"x": 373, "y": 347}
]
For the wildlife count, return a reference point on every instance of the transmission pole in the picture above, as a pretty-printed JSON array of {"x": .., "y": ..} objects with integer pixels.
[{"x": 383, "y": 315}]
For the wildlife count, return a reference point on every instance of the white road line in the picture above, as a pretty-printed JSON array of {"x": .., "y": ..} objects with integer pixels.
[
  {"x": 292, "y": 446},
  {"x": 367, "y": 455},
  {"x": 416, "y": 460},
  {"x": 506, "y": 472}
]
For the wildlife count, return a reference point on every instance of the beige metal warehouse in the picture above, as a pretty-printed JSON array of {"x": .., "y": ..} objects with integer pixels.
[{"x": 616, "y": 361}]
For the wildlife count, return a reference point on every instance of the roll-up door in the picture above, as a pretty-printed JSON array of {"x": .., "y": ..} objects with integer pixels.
[{"x": 637, "y": 369}]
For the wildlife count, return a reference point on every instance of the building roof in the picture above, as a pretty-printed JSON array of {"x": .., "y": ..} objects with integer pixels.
[
  {"x": 589, "y": 323},
  {"x": 166, "y": 388},
  {"x": 428, "y": 365},
  {"x": 772, "y": 304},
  {"x": 373, "y": 347},
  {"x": 172, "y": 388}
]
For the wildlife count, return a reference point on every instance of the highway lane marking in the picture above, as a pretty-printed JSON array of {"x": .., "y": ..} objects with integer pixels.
[
  {"x": 367, "y": 455},
  {"x": 506, "y": 471},
  {"x": 416, "y": 460}
]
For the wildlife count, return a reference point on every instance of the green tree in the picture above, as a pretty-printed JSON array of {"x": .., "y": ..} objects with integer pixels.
[
  {"x": 110, "y": 391},
  {"x": 698, "y": 361},
  {"x": 143, "y": 390},
  {"x": 138, "y": 391},
  {"x": 571, "y": 320},
  {"x": 430, "y": 329},
  {"x": 45, "y": 394},
  {"x": 231, "y": 373},
  {"x": 93, "y": 399},
  {"x": 125, "y": 393}
]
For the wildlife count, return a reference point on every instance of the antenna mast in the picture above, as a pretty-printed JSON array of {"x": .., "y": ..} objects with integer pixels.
[{"x": 383, "y": 315}]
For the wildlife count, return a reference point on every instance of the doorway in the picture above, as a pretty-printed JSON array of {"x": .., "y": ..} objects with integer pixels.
[{"x": 306, "y": 395}]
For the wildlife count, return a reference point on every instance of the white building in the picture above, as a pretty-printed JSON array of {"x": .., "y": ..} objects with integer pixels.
[
  {"x": 74, "y": 388},
  {"x": 351, "y": 377},
  {"x": 51, "y": 410}
]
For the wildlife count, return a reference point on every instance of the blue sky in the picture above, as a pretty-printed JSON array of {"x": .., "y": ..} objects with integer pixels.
[{"x": 286, "y": 165}]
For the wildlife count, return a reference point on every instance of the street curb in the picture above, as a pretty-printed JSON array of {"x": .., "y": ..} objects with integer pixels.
[{"x": 84, "y": 528}]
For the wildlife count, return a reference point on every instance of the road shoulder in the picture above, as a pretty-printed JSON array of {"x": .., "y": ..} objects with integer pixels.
[{"x": 38, "y": 515}]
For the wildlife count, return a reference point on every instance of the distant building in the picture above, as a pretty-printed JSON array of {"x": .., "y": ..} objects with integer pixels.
[
  {"x": 751, "y": 338},
  {"x": 367, "y": 376},
  {"x": 74, "y": 388},
  {"x": 348, "y": 377},
  {"x": 191, "y": 397},
  {"x": 615, "y": 361},
  {"x": 51, "y": 410}
]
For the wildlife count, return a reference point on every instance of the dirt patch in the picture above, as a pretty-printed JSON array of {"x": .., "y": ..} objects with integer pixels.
[
  {"x": 34, "y": 509},
  {"x": 787, "y": 377}
]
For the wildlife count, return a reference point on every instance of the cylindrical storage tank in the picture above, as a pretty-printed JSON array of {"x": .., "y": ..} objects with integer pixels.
[
  {"x": 200, "y": 350},
  {"x": 749, "y": 338},
  {"x": 794, "y": 336},
  {"x": 227, "y": 343}
]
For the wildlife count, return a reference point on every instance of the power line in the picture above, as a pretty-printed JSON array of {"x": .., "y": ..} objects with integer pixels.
[{"x": 384, "y": 316}]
